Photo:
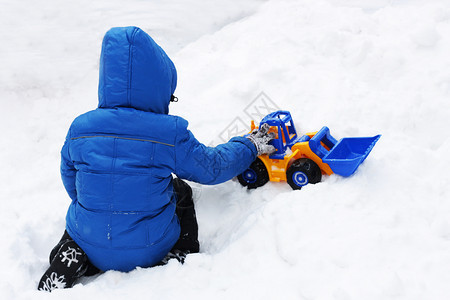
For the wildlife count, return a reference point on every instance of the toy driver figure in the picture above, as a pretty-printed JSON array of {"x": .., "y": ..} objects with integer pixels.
[{"x": 118, "y": 162}]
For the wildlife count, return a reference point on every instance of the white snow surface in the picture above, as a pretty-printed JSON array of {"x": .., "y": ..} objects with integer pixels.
[{"x": 361, "y": 69}]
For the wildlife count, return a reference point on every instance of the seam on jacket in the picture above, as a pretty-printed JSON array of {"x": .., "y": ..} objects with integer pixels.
[
  {"x": 104, "y": 75},
  {"x": 111, "y": 203},
  {"x": 119, "y": 212},
  {"x": 175, "y": 150},
  {"x": 130, "y": 66},
  {"x": 121, "y": 138},
  {"x": 68, "y": 146},
  {"x": 116, "y": 172},
  {"x": 98, "y": 245}
]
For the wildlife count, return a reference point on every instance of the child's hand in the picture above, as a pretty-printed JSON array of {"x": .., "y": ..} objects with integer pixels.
[{"x": 261, "y": 138}]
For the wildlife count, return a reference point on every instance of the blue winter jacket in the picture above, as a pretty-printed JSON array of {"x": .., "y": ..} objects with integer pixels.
[{"x": 118, "y": 160}]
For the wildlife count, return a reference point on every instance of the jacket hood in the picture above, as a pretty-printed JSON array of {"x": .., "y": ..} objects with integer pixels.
[{"x": 135, "y": 72}]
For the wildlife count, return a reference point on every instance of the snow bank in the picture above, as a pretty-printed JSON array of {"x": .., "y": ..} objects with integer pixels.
[{"x": 360, "y": 69}]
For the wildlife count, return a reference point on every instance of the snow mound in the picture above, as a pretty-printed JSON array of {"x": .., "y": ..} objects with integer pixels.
[{"x": 359, "y": 69}]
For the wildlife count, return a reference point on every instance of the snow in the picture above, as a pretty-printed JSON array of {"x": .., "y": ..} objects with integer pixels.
[{"x": 359, "y": 68}]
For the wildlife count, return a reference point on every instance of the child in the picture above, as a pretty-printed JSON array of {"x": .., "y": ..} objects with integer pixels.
[{"x": 117, "y": 164}]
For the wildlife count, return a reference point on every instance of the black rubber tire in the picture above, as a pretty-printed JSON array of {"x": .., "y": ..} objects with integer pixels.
[
  {"x": 259, "y": 175},
  {"x": 302, "y": 172}
]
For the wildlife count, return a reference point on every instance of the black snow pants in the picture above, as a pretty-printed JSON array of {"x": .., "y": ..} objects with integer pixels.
[
  {"x": 188, "y": 241},
  {"x": 68, "y": 262}
]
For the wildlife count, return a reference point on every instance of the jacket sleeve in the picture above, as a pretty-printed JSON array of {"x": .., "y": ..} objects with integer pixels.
[
  {"x": 68, "y": 171},
  {"x": 210, "y": 165}
]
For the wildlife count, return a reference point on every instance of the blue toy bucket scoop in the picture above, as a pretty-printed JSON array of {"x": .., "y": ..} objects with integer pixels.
[{"x": 346, "y": 156}]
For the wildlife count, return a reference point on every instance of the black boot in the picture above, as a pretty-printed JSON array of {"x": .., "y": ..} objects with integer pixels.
[
  {"x": 179, "y": 255},
  {"x": 68, "y": 262}
]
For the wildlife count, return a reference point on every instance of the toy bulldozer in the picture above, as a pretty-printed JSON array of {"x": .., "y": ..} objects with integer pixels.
[{"x": 300, "y": 160}]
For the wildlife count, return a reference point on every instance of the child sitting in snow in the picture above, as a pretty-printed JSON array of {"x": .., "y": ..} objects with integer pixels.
[{"x": 117, "y": 162}]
